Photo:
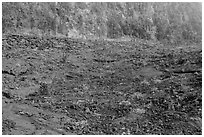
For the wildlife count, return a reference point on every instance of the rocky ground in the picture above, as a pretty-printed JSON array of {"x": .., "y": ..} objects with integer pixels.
[{"x": 98, "y": 87}]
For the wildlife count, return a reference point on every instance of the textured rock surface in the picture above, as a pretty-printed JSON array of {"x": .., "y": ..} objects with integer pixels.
[{"x": 69, "y": 86}]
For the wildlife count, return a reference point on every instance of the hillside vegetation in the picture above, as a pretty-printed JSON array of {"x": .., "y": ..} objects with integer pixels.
[{"x": 169, "y": 22}]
